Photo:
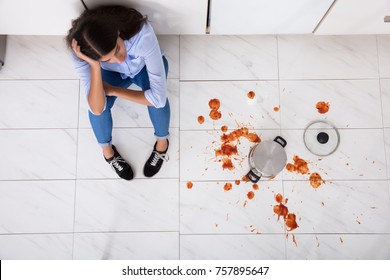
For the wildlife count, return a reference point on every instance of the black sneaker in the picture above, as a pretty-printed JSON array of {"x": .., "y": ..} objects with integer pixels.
[
  {"x": 120, "y": 166},
  {"x": 155, "y": 161}
]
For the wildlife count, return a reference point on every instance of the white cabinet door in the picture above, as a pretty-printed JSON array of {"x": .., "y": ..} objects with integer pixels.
[
  {"x": 167, "y": 16},
  {"x": 356, "y": 17},
  {"x": 266, "y": 16},
  {"x": 53, "y": 17},
  {"x": 38, "y": 17}
]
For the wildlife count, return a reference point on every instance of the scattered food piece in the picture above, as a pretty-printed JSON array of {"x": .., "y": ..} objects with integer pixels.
[
  {"x": 322, "y": 107},
  {"x": 251, "y": 95},
  {"x": 245, "y": 179},
  {"x": 276, "y": 109},
  {"x": 227, "y": 187},
  {"x": 227, "y": 164},
  {"x": 282, "y": 210},
  {"x": 224, "y": 128},
  {"x": 215, "y": 115},
  {"x": 214, "y": 104},
  {"x": 255, "y": 187},
  {"x": 341, "y": 240},
  {"x": 200, "y": 119},
  {"x": 189, "y": 185},
  {"x": 237, "y": 182},
  {"x": 290, "y": 222},
  {"x": 250, "y": 195},
  {"x": 299, "y": 166},
  {"x": 316, "y": 180}
]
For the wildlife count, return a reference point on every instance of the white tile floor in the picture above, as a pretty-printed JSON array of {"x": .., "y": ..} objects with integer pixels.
[{"x": 60, "y": 200}]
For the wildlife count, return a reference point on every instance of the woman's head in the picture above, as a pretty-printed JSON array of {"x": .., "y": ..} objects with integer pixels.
[{"x": 100, "y": 32}]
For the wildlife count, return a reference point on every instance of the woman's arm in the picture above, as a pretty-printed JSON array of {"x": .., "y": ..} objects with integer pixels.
[
  {"x": 96, "y": 95},
  {"x": 129, "y": 94}
]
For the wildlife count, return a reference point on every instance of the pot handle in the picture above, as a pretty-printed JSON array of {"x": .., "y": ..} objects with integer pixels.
[
  {"x": 281, "y": 141},
  {"x": 253, "y": 177}
]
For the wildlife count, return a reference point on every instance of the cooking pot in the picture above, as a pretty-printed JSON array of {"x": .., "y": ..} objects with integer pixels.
[{"x": 267, "y": 159}]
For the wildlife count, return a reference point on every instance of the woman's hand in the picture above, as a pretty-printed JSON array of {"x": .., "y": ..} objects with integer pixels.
[
  {"x": 109, "y": 89},
  {"x": 79, "y": 54}
]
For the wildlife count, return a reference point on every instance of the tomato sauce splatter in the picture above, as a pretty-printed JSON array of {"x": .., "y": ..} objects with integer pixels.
[
  {"x": 299, "y": 166},
  {"x": 214, "y": 104},
  {"x": 215, "y": 115},
  {"x": 224, "y": 128},
  {"x": 322, "y": 107},
  {"x": 228, "y": 187},
  {"x": 245, "y": 179},
  {"x": 250, "y": 195},
  {"x": 189, "y": 185},
  {"x": 282, "y": 211},
  {"x": 227, "y": 164},
  {"x": 229, "y": 145},
  {"x": 200, "y": 119},
  {"x": 316, "y": 180},
  {"x": 251, "y": 95}
]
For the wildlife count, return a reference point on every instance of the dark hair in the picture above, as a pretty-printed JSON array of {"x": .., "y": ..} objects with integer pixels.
[{"x": 96, "y": 30}]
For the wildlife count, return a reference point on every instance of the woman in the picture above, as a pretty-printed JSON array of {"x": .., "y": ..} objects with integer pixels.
[{"x": 113, "y": 47}]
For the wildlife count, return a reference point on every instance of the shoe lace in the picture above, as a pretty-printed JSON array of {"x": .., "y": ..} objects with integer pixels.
[
  {"x": 116, "y": 163},
  {"x": 157, "y": 156}
]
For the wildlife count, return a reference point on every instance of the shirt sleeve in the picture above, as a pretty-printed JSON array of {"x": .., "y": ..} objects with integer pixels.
[
  {"x": 157, "y": 94},
  {"x": 83, "y": 70}
]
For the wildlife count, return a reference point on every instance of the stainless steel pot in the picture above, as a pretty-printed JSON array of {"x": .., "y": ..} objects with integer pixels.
[{"x": 267, "y": 159}]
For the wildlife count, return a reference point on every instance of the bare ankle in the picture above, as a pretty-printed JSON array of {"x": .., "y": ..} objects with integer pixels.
[
  {"x": 162, "y": 145},
  {"x": 108, "y": 152}
]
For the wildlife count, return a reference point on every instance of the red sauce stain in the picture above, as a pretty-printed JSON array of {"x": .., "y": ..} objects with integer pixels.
[
  {"x": 227, "y": 150},
  {"x": 290, "y": 222},
  {"x": 200, "y": 119},
  {"x": 214, "y": 104},
  {"x": 215, "y": 115},
  {"x": 237, "y": 182},
  {"x": 251, "y": 95},
  {"x": 245, "y": 179},
  {"x": 227, "y": 187},
  {"x": 227, "y": 164},
  {"x": 250, "y": 195},
  {"x": 316, "y": 180},
  {"x": 276, "y": 109},
  {"x": 294, "y": 240},
  {"x": 189, "y": 185},
  {"x": 224, "y": 128},
  {"x": 299, "y": 166},
  {"x": 255, "y": 187},
  {"x": 282, "y": 211},
  {"x": 322, "y": 107},
  {"x": 229, "y": 145},
  {"x": 279, "y": 198}
]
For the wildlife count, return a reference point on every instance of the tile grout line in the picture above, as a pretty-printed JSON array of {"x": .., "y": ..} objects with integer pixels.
[
  {"x": 76, "y": 175},
  {"x": 179, "y": 220},
  {"x": 382, "y": 109}
]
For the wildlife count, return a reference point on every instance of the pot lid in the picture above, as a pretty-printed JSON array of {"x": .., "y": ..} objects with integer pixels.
[
  {"x": 268, "y": 157},
  {"x": 321, "y": 138}
]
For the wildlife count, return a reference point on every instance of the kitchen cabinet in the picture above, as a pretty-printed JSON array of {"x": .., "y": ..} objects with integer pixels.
[
  {"x": 168, "y": 16},
  {"x": 266, "y": 16},
  {"x": 356, "y": 17},
  {"x": 53, "y": 17},
  {"x": 38, "y": 17}
]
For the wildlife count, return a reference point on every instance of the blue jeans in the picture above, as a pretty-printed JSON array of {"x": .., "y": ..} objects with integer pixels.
[{"x": 102, "y": 124}]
